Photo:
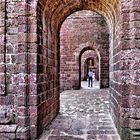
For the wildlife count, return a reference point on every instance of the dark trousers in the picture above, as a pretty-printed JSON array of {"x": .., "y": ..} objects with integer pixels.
[{"x": 90, "y": 81}]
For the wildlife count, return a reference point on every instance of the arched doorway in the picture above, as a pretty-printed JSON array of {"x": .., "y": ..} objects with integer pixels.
[
  {"x": 88, "y": 64},
  {"x": 89, "y": 60},
  {"x": 34, "y": 83},
  {"x": 50, "y": 16},
  {"x": 75, "y": 41}
]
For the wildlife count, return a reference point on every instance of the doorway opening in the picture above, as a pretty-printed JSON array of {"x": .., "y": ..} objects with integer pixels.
[
  {"x": 90, "y": 61},
  {"x": 81, "y": 32}
]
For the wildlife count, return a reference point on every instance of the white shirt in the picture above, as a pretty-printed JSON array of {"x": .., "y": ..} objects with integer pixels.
[{"x": 90, "y": 74}]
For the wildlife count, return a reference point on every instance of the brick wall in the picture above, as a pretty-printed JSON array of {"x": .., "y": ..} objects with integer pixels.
[
  {"x": 8, "y": 67},
  {"x": 86, "y": 57},
  {"x": 30, "y": 60},
  {"x": 82, "y": 31}
]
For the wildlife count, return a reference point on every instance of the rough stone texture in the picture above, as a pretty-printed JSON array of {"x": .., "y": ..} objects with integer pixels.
[
  {"x": 125, "y": 72},
  {"x": 29, "y": 60},
  {"x": 8, "y": 132},
  {"x": 2, "y": 47},
  {"x": 84, "y": 115},
  {"x": 81, "y": 32}
]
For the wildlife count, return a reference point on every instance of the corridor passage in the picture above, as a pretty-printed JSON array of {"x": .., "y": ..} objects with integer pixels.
[
  {"x": 84, "y": 85},
  {"x": 84, "y": 115}
]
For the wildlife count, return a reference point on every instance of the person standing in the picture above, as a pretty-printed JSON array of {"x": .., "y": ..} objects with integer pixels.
[{"x": 90, "y": 78}]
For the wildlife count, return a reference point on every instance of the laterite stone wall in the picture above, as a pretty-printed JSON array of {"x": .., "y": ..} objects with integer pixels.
[
  {"x": 36, "y": 53},
  {"x": 82, "y": 31}
]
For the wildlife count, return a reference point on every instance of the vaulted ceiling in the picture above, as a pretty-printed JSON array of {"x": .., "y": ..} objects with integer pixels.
[{"x": 56, "y": 11}]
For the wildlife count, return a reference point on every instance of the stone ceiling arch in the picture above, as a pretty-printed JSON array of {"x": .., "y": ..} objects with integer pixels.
[
  {"x": 57, "y": 11},
  {"x": 79, "y": 51}
]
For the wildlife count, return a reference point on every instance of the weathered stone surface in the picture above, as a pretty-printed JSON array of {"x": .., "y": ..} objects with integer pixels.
[
  {"x": 8, "y": 128},
  {"x": 22, "y": 133},
  {"x": 84, "y": 114},
  {"x": 83, "y": 32},
  {"x": 30, "y": 64},
  {"x": 5, "y": 121}
]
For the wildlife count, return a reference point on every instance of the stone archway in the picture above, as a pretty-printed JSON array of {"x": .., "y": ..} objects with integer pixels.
[
  {"x": 85, "y": 67},
  {"x": 72, "y": 43},
  {"x": 103, "y": 63},
  {"x": 89, "y": 61},
  {"x": 31, "y": 85}
]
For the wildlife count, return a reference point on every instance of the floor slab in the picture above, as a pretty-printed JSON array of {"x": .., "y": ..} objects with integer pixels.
[
  {"x": 84, "y": 85},
  {"x": 84, "y": 115}
]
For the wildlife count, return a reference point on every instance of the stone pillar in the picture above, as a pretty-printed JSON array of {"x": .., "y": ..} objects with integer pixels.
[
  {"x": 125, "y": 86},
  {"x": 74, "y": 41},
  {"x": 8, "y": 68}
]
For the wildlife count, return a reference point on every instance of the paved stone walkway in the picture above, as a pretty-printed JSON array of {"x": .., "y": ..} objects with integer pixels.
[
  {"x": 84, "y": 115},
  {"x": 84, "y": 85}
]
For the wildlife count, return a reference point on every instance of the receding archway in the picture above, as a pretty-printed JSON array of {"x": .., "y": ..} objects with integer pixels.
[
  {"x": 85, "y": 66},
  {"x": 103, "y": 64},
  {"x": 30, "y": 62},
  {"x": 37, "y": 80},
  {"x": 79, "y": 31},
  {"x": 90, "y": 61},
  {"x": 47, "y": 76}
]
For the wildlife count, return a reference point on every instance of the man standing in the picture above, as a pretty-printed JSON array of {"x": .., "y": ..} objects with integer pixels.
[{"x": 90, "y": 78}]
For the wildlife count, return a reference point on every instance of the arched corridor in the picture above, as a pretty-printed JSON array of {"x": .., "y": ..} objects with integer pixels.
[
  {"x": 30, "y": 63},
  {"x": 84, "y": 85},
  {"x": 81, "y": 32}
]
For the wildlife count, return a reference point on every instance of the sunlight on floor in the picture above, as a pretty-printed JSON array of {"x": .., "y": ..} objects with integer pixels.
[
  {"x": 84, "y": 115},
  {"x": 84, "y": 85}
]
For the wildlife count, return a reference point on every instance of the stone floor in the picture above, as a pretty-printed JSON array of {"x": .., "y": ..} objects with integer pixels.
[
  {"x": 84, "y": 85},
  {"x": 84, "y": 115}
]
